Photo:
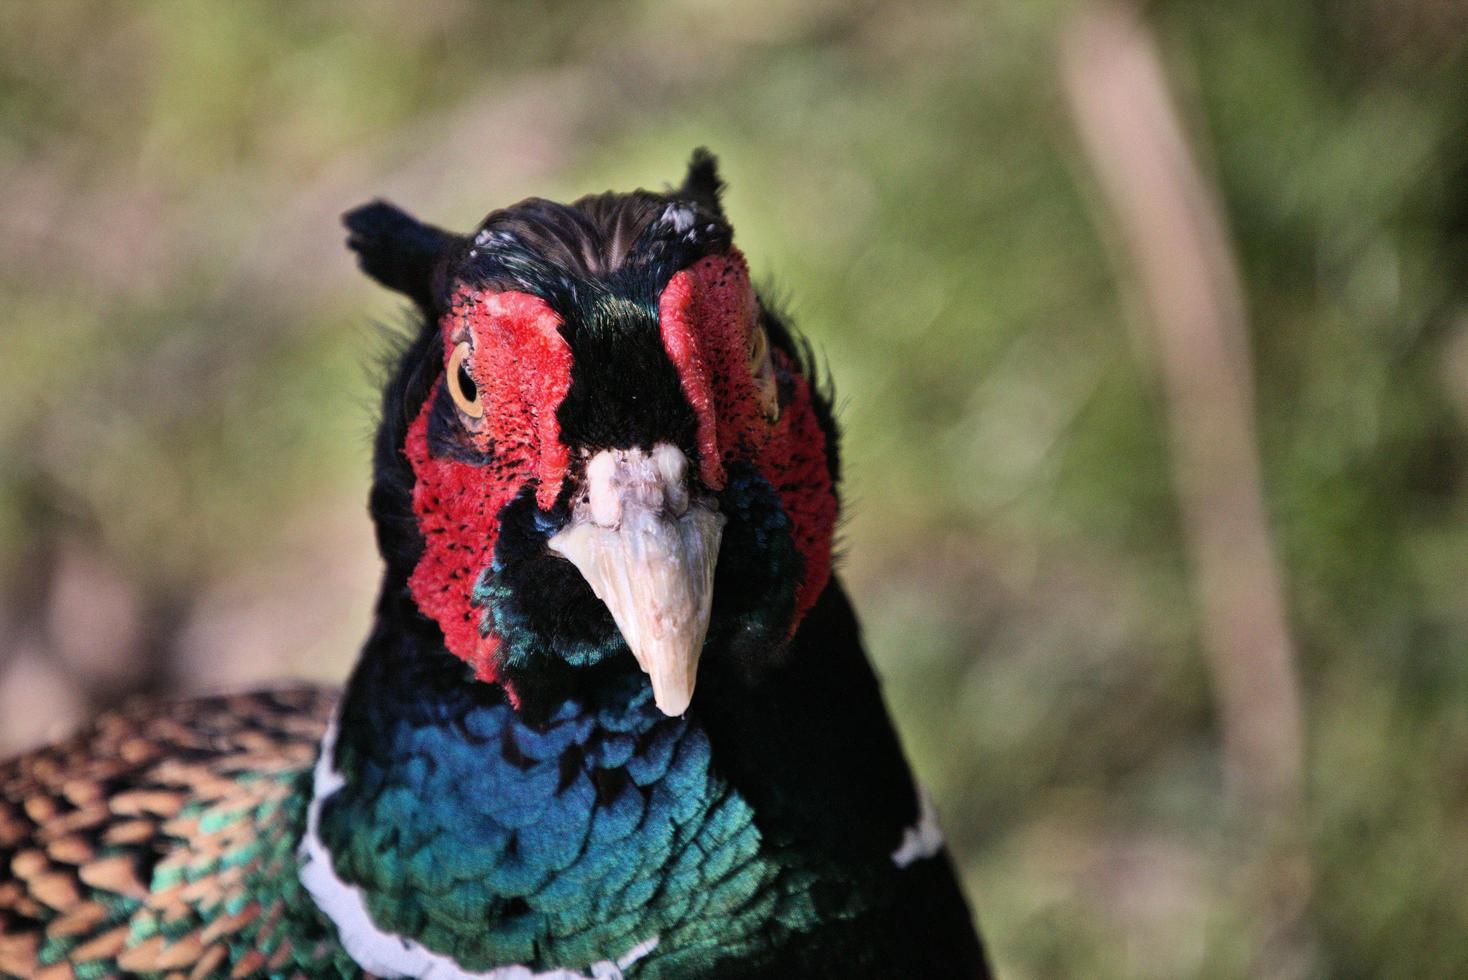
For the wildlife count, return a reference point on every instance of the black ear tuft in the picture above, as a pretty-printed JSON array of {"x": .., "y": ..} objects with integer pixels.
[
  {"x": 703, "y": 183},
  {"x": 398, "y": 250}
]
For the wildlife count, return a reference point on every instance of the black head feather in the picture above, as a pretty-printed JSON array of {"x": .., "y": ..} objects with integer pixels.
[
  {"x": 399, "y": 251},
  {"x": 703, "y": 185}
]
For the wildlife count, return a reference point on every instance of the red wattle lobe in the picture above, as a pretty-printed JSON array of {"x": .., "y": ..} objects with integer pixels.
[
  {"x": 706, "y": 313},
  {"x": 680, "y": 309},
  {"x": 521, "y": 366},
  {"x": 457, "y": 512}
]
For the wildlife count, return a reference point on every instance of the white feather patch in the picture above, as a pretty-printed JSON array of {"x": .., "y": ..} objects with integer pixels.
[
  {"x": 924, "y": 838},
  {"x": 679, "y": 216},
  {"x": 386, "y": 954}
]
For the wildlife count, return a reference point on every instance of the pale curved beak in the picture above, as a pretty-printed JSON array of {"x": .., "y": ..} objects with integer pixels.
[{"x": 648, "y": 549}]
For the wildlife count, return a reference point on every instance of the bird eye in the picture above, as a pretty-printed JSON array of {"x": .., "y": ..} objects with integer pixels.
[
  {"x": 461, "y": 385},
  {"x": 762, "y": 367}
]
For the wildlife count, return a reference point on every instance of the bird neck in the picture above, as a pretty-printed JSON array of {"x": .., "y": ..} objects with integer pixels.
[{"x": 447, "y": 823}]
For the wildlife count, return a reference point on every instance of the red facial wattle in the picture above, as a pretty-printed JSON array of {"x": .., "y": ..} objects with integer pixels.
[
  {"x": 706, "y": 313},
  {"x": 522, "y": 368}
]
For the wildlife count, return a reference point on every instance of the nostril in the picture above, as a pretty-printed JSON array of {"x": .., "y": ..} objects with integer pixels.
[
  {"x": 671, "y": 463},
  {"x": 672, "y": 467},
  {"x": 603, "y": 493},
  {"x": 675, "y": 498}
]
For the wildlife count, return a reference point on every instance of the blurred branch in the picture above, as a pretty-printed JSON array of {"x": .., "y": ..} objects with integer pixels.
[{"x": 1178, "y": 250}]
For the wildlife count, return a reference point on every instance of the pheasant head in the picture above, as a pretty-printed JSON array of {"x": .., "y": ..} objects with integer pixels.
[{"x": 603, "y": 448}]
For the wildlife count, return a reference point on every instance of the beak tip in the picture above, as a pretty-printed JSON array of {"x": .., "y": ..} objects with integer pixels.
[
  {"x": 672, "y": 689},
  {"x": 674, "y": 705}
]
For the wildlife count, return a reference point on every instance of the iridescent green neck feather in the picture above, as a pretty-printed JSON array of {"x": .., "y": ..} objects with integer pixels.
[{"x": 563, "y": 843}]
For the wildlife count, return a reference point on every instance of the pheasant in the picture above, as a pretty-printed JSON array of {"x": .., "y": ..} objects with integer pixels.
[{"x": 613, "y": 718}]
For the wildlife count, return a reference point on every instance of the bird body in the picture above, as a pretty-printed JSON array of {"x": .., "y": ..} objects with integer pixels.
[{"x": 614, "y": 718}]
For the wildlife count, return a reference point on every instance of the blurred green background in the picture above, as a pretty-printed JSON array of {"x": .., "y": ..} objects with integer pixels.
[{"x": 187, "y": 384}]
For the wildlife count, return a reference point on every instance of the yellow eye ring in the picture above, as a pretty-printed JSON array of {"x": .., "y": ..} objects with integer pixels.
[{"x": 462, "y": 388}]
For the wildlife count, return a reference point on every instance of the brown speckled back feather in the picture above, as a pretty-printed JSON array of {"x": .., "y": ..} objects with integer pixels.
[{"x": 161, "y": 841}]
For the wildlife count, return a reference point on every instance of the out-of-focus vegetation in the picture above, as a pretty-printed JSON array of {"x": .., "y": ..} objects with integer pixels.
[{"x": 186, "y": 394}]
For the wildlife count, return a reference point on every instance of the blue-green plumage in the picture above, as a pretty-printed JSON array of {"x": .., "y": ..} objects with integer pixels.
[
  {"x": 559, "y": 843},
  {"x": 739, "y": 840}
]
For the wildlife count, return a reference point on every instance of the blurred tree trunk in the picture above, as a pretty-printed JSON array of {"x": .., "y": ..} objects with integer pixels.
[{"x": 1177, "y": 251}]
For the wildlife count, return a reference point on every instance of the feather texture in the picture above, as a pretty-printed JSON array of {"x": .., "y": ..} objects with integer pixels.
[{"x": 162, "y": 842}]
